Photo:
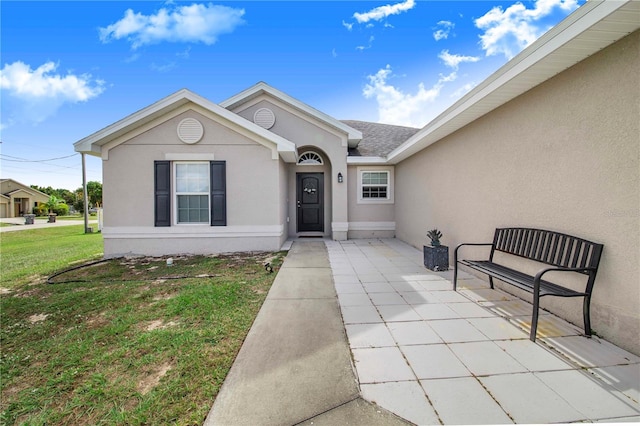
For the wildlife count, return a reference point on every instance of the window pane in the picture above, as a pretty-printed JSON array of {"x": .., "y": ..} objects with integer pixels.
[
  {"x": 193, "y": 209},
  {"x": 375, "y": 178},
  {"x": 374, "y": 192},
  {"x": 192, "y": 177}
]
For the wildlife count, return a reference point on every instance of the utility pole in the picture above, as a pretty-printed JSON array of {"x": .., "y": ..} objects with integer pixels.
[{"x": 86, "y": 196}]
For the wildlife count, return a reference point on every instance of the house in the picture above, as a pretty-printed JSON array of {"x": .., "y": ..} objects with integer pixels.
[
  {"x": 17, "y": 199},
  {"x": 550, "y": 140}
]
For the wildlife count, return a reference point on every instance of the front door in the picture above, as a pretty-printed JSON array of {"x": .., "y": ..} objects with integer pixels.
[{"x": 310, "y": 202}]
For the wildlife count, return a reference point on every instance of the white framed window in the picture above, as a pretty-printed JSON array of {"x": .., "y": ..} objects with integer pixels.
[
  {"x": 375, "y": 185},
  {"x": 192, "y": 192},
  {"x": 310, "y": 158}
]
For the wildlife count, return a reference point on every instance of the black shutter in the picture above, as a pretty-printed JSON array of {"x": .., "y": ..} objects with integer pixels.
[
  {"x": 162, "y": 198},
  {"x": 218, "y": 193}
]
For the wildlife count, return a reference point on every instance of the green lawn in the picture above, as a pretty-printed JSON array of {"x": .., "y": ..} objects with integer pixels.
[{"x": 126, "y": 341}]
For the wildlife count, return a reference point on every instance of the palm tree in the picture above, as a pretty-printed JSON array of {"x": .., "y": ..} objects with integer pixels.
[{"x": 53, "y": 203}]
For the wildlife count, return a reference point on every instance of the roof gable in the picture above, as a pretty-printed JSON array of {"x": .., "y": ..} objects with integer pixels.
[
  {"x": 20, "y": 187},
  {"x": 353, "y": 135},
  {"x": 108, "y": 137}
]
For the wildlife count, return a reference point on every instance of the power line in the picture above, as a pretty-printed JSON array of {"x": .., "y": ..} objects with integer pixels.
[{"x": 25, "y": 160}]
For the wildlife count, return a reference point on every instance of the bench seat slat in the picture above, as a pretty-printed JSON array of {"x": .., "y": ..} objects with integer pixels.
[
  {"x": 561, "y": 251},
  {"x": 519, "y": 279}
]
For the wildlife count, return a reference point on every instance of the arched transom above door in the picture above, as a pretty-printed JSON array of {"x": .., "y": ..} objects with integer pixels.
[{"x": 310, "y": 158}]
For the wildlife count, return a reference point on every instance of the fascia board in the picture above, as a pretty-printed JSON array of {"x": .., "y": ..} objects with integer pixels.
[
  {"x": 363, "y": 161},
  {"x": 497, "y": 90},
  {"x": 353, "y": 136},
  {"x": 92, "y": 144}
]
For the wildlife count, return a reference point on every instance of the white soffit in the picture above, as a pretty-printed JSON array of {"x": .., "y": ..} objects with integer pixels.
[
  {"x": 93, "y": 143},
  {"x": 591, "y": 28}
]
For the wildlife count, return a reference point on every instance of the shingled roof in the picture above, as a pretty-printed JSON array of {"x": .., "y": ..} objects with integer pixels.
[{"x": 378, "y": 139}]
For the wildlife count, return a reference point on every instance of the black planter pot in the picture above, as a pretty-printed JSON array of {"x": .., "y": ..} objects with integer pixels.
[{"x": 436, "y": 258}]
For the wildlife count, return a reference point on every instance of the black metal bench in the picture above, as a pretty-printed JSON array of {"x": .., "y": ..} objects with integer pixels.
[{"x": 564, "y": 253}]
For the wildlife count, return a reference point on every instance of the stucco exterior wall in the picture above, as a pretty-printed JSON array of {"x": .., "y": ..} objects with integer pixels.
[
  {"x": 564, "y": 156},
  {"x": 253, "y": 198},
  {"x": 308, "y": 133},
  {"x": 370, "y": 220}
]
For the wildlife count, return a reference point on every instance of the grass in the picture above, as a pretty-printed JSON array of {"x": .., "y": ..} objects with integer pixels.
[
  {"x": 36, "y": 252},
  {"x": 126, "y": 341}
]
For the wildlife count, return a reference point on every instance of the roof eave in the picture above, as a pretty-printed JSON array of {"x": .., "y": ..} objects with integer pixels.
[
  {"x": 539, "y": 62},
  {"x": 92, "y": 144},
  {"x": 353, "y": 136},
  {"x": 363, "y": 161}
]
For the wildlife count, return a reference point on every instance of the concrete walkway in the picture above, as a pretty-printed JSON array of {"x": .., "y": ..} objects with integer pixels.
[
  {"x": 295, "y": 365},
  {"x": 413, "y": 347}
]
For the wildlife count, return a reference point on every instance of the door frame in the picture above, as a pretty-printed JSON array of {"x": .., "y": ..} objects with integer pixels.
[{"x": 321, "y": 195}]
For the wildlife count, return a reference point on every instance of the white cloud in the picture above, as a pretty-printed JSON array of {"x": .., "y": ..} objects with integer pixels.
[
  {"x": 509, "y": 31},
  {"x": 381, "y": 12},
  {"x": 35, "y": 95},
  {"x": 404, "y": 109},
  {"x": 347, "y": 25},
  {"x": 197, "y": 23},
  {"x": 453, "y": 61},
  {"x": 361, "y": 48},
  {"x": 444, "y": 30}
]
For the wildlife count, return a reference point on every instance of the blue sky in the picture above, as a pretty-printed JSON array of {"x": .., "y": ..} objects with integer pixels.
[{"x": 71, "y": 68}]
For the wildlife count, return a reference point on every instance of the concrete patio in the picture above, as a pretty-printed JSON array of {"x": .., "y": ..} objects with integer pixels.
[{"x": 434, "y": 356}]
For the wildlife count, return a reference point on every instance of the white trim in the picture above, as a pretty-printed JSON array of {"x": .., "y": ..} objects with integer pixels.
[
  {"x": 390, "y": 184},
  {"x": 120, "y": 131},
  {"x": 308, "y": 151},
  {"x": 571, "y": 41},
  {"x": 339, "y": 226},
  {"x": 175, "y": 193},
  {"x": 354, "y": 161},
  {"x": 372, "y": 226},
  {"x": 192, "y": 231},
  {"x": 354, "y": 136},
  {"x": 169, "y": 156}
]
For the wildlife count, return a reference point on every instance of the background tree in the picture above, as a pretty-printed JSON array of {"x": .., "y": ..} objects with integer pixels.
[{"x": 94, "y": 192}]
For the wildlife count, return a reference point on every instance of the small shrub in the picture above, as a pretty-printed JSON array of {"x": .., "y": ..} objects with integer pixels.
[
  {"x": 40, "y": 210},
  {"x": 61, "y": 210}
]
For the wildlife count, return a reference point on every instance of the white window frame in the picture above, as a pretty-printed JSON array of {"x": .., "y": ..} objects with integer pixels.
[
  {"x": 175, "y": 193},
  {"x": 390, "y": 182},
  {"x": 320, "y": 161}
]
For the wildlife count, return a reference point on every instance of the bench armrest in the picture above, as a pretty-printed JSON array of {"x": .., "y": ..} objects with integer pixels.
[
  {"x": 455, "y": 253},
  {"x": 538, "y": 277}
]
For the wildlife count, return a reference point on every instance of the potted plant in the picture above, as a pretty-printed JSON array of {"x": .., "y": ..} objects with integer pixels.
[{"x": 436, "y": 256}]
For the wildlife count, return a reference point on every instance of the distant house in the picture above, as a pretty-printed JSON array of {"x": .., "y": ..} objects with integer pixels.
[
  {"x": 17, "y": 199},
  {"x": 550, "y": 140}
]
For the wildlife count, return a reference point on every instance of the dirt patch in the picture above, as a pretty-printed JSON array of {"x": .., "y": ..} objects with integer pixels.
[
  {"x": 97, "y": 321},
  {"x": 152, "y": 378},
  {"x": 37, "y": 318},
  {"x": 157, "y": 325},
  {"x": 164, "y": 296},
  {"x": 4, "y": 290}
]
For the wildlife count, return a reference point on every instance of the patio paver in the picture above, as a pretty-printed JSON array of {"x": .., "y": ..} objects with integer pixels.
[{"x": 431, "y": 355}]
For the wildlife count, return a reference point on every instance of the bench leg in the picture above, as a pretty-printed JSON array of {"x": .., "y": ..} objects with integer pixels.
[
  {"x": 491, "y": 281},
  {"x": 586, "y": 315},
  {"x": 455, "y": 276},
  {"x": 534, "y": 317}
]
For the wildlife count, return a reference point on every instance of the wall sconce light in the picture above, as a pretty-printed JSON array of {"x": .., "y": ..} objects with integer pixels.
[{"x": 340, "y": 178}]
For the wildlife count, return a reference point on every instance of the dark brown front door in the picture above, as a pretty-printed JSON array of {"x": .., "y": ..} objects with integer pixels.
[{"x": 310, "y": 202}]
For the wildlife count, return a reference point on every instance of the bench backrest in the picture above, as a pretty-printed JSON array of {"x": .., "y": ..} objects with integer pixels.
[{"x": 552, "y": 248}]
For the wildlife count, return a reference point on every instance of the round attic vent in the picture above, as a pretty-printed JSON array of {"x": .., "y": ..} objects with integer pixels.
[
  {"x": 265, "y": 118},
  {"x": 190, "y": 130}
]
